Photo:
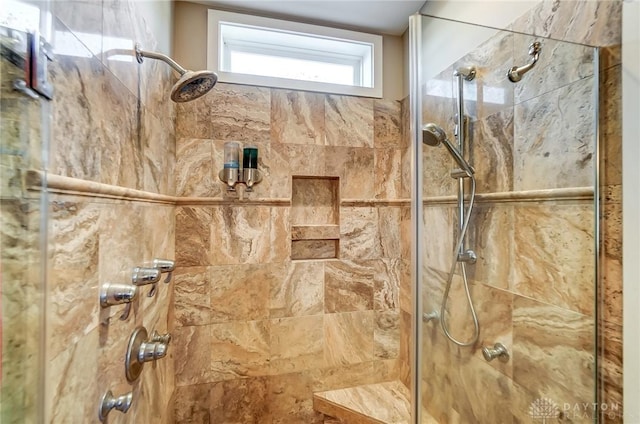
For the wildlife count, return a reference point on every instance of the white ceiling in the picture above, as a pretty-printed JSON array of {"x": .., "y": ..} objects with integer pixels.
[{"x": 376, "y": 16}]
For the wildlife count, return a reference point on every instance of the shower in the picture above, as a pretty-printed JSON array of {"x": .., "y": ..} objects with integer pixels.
[
  {"x": 191, "y": 84},
  {"x": 434, "y": 135}
]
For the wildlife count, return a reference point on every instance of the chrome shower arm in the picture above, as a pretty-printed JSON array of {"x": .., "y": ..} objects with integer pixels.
[
  {"x": 515, "y": 74},
  {"x": 140, "y": 54}
]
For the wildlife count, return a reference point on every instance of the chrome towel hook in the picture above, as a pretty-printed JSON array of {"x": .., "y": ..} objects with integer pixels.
[{"x": 515, "y": 74}]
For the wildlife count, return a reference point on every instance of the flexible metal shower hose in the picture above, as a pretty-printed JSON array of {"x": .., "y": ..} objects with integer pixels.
[{"x": 445, "y": 298}]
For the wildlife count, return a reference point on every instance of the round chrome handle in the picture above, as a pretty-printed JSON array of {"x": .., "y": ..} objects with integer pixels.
[{"x": 497, "y": 351}]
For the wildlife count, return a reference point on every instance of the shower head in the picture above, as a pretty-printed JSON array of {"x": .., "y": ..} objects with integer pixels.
[
  {"x": 433, "y": 135},
  {"x": 191, "y": 85}
]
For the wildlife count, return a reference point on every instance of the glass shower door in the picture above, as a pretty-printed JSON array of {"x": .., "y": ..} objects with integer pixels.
[
  {"x": 24, "y": 121},
  {"x": 532, "y": 147}
]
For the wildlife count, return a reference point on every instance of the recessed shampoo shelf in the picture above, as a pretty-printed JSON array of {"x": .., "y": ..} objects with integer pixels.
[
  {"x": 315, "y": 232},
  {"x": 315, "y": 218}
]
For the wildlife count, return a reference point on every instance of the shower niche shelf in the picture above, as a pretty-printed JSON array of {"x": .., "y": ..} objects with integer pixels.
[{"x": 315, "y": 220}]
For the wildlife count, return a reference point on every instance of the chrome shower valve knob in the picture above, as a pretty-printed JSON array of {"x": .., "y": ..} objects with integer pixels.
[
  {"x": 141, "y": 350},
  {"x": 497, "y": 351},
  {"x": 164, "y": 265},
  {"x": 116, "y": 294},
  {"x": 109, "y": 402},
  {"x": 142, "y": 276}
]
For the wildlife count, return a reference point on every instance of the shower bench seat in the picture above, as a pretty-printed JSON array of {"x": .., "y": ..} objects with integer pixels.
[{"x": 379, "y": 403}]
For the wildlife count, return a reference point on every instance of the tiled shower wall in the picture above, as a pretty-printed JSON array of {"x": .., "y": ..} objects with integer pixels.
[
  {"x": 257, "y": 332},
  {"x": 111, "y": 161},
  {"x": 533, "y": 284}
]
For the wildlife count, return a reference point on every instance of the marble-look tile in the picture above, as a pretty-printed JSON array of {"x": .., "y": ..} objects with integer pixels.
[
  {"x": 239, "y": 349},
  {"x": 596, "y": 23},
  {"x": 610, "y": 126},
  {"x": 156, "y": 243},
  {"x": 404, "y": 351},
  {"x": 121, "y": 232},
  {"x": 314, "y": 249},
  {"x": 250, "y": 235},
  {"x": 439, "y": 224},
  {"x": 291, "y": 399},
  {"x": 491, "y": 153},
  {"x": 490, "y": 235},
  {"x": 559, "y": 267},
  {"x": 307, "y": 160},
  {"x": 437, "y": 396},
  {"x": 339, "y": 376},
  {"x": 296, "y": 344},
  {"x": 77, "y": 112},
  {"x": 387, "y": 173},
  {"x": 436, "y": 168},
  {"x": 192, "y": 120},
  {"x": 298, "y": 291},
  {"x": 241, "y": 293},
  {"x": 240, "y": 401},
  {"x": 159, "y": 157},
  {"x": 610, "y": 372},
  {"x": 238, "y": 113},
  {"x": 193, "y": 236},
  {"x": 494, "y": 308},
  {"x": 193, "y": 355},
  {"x": 610, "y": 56},
  {"x": 74, "y": 243},
  {"x": 386, "y": 334},
  {"x": 559, "y": 64},
  {"x": 387, "y": 123},
  {"x": 390, "y": 231},
  {"x": 542, "y": 332},
  {"x": 405, "y": 296},
  {"x": 297, "y": 117},
  {"x": 359, "y": 233},
  {"x": 490, "y": 92},
  {"x": 610, "y": 290},
  {"x": 84, "y": 19},
  {"x": 192, "y": 403},
  {"x": 315, "y": 201},
  {"x": 555, "y": 139},
  {"x": 473, "y": 382},
  {"x": 122, "y": 148},
  {"x": 192, "y": 288},
  {"x": 387, "y": 274},
  {"x": 348, "y": 286},
  {"x": 348, "y": 337},
  {"x": 381, "y": 402},
  {"x": 70, "y": 398},
  {"x": 22, "y": 313},
  {"x": 349, "y": 121},
  {"x": 276, "y": 173},
  {"x": 196, "y": 174},
  {"x": 315, "y": 232},
  {"x": 356, "y": 168},
  {"x": 119, "y": 32},
  {"x": 406, "y": 141}
]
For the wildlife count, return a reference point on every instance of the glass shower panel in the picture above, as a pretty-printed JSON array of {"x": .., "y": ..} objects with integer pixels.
[
  {"x": 532, "y": 145},
  {"x": 24, "y": 125}
]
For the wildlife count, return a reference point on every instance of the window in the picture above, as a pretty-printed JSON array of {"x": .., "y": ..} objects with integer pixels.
[{"x": 252, "y": 50}]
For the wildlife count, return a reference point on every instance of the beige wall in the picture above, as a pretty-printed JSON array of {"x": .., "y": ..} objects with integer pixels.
[
  {"x": 258, "y": 330},
  {"x": 190, "y": 47}
]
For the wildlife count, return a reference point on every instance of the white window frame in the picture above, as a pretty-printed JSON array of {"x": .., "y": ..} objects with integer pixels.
[{"x": 215, "y": 54}]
